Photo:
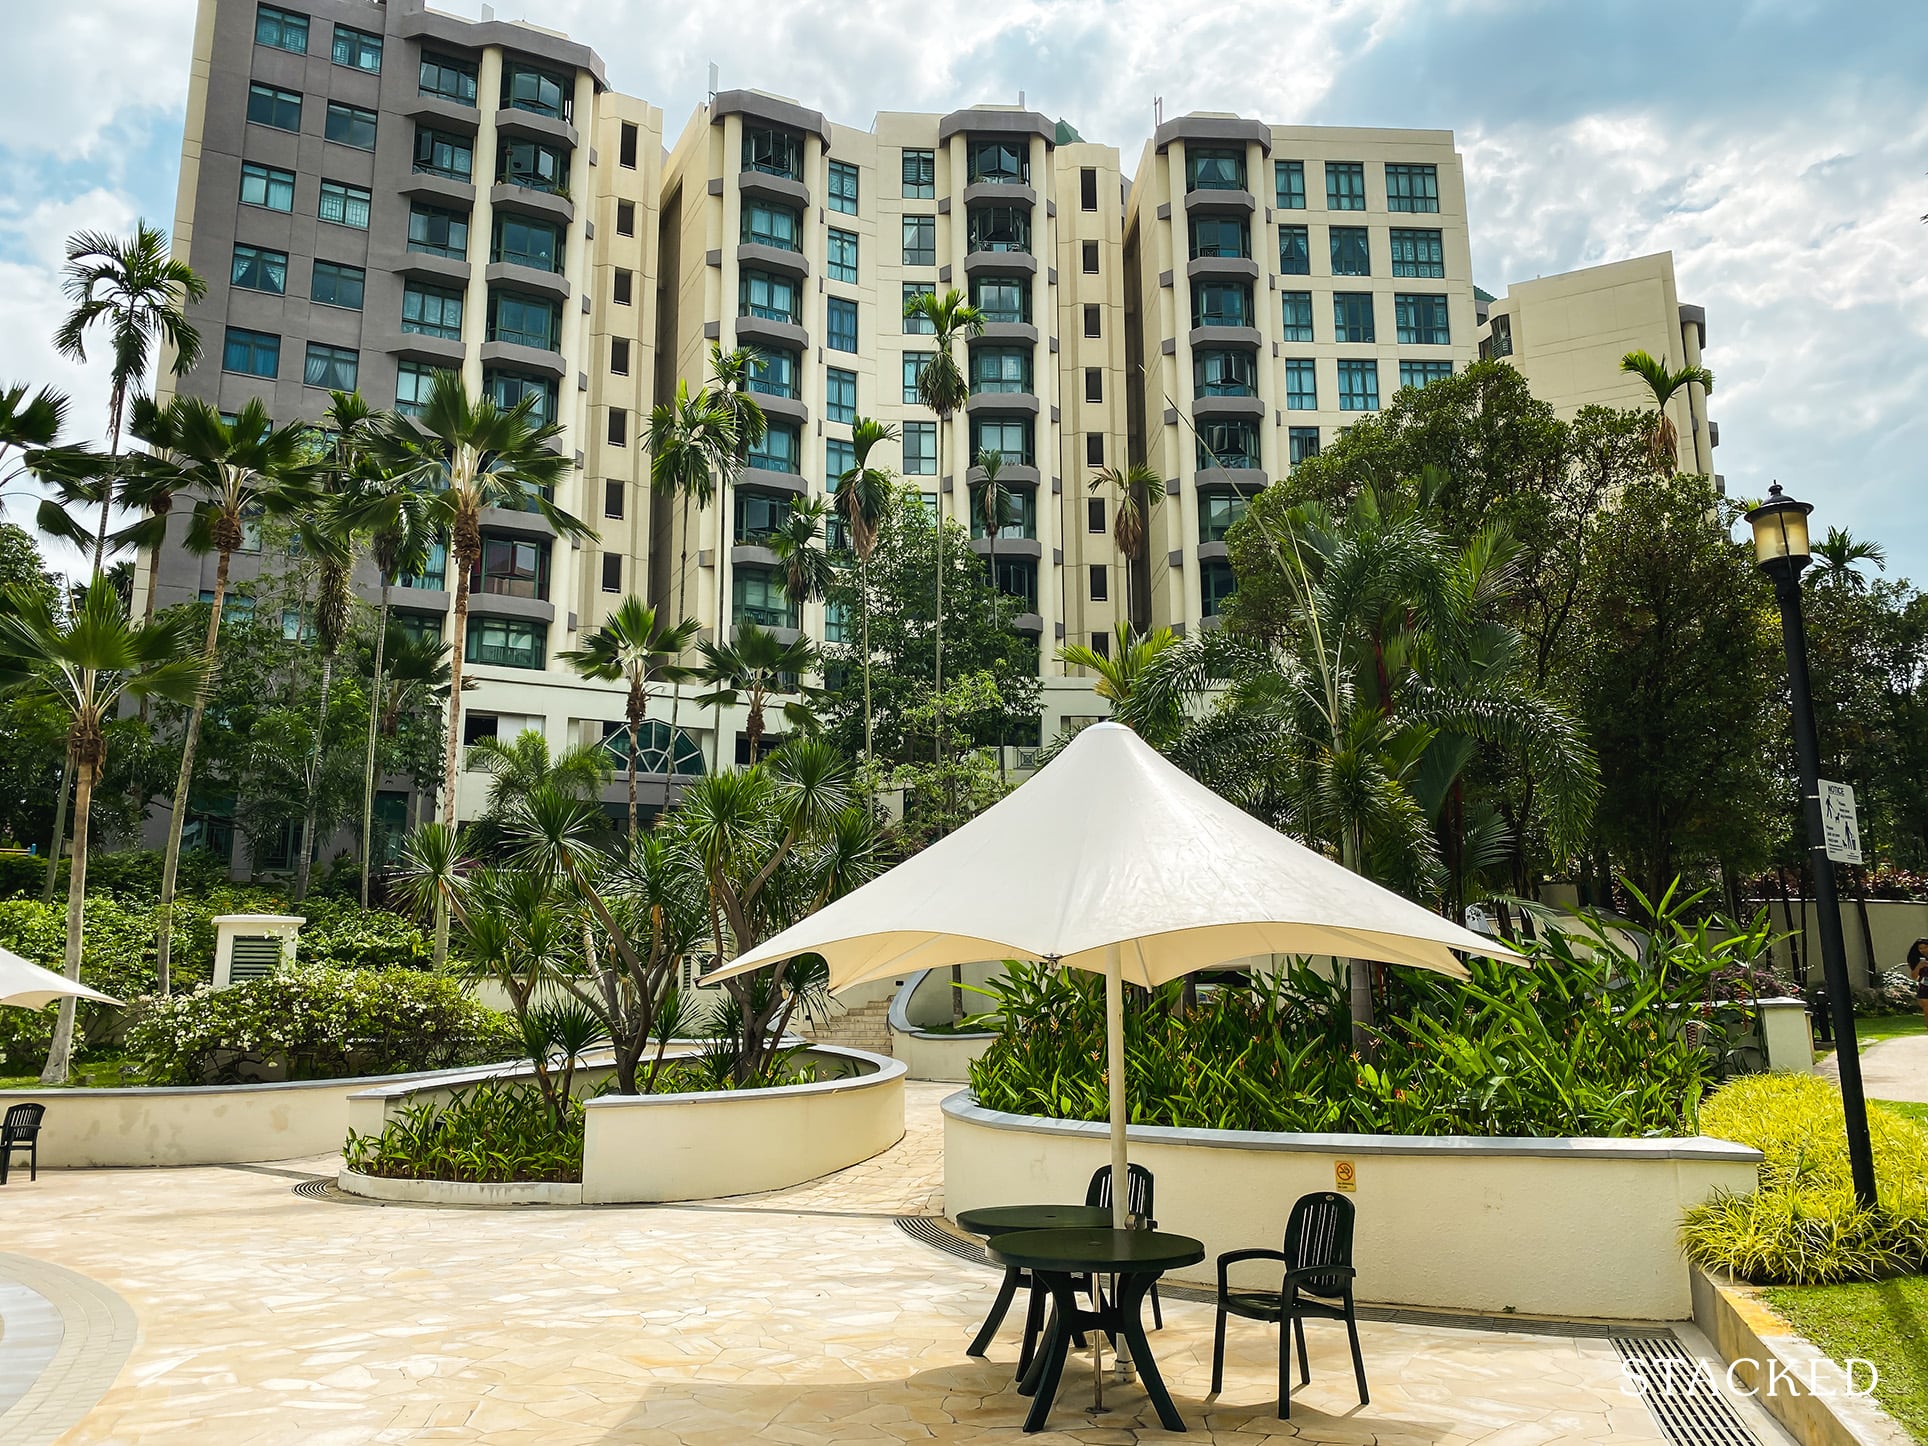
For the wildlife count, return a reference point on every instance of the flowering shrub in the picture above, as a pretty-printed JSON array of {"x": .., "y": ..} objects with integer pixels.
[{"x": 311, "y": 1022}]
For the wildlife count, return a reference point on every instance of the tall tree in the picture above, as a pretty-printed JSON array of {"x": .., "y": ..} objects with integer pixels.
[
  {"x": 30, "y": 447},
  {"x": 1663, "y": 441},
  {"x": 729, "y": 391},
  {"x": 865, "y": 495},
  {"x": 136, "y": 292},
  {"x": 87, "y": 663},
  {"x": 803, "y": 564},
  {"x": 633, "y": 649},
  {"x": 756, "y": 667},
  {"x": 993, "y": 507},
  {"x": 1135, "y": 492}
]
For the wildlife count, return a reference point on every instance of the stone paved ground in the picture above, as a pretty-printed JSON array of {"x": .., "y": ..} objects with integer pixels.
[
  {"x": 1894, "y": 1069},
  {"x": 800, "y": 1317}
]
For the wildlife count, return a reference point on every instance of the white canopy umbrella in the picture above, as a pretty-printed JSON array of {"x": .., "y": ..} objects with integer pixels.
[
  {"x": 27, "y": 985},
  {"x": 1114, "y": 860}
]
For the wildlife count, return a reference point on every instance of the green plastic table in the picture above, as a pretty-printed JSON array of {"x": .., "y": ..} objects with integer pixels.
[
  {"x": 1056, "y": 1258},
  {"x": 995, "y": 1220}
]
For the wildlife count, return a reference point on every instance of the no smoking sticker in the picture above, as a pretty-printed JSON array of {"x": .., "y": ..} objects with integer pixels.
[{"x": 1344, "y": 1176}]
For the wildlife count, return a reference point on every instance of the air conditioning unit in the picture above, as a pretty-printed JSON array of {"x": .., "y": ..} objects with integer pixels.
[{"x": 248, "y": 946}]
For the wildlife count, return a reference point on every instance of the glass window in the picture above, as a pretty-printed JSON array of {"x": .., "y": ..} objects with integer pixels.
[
  {"x": 522, "y": 242},
  {"x": 258, "y": 269},
  {"x": 842, "y": 187},
  {"x": 268, "y": 106},
  {"x": 1000, "y": 228},
  {"x": 1412, "y": 188},
  {"x": 1094, "y": 449},
  {"x": 507, "y": 642},
  {"x": 513, "y": 567},
  {"x": 537, "y": 91},
  {"x": 1295, "y": 250},
  {"x": 1000, "y": 369},
  {"x": 1216, "y": 583},
  {"x": 758, "y": 513},
  {"x": 1017, "y": 577},
  {"x": 920, "y": 175},
  {"x": 613, "y": 501},
  {"x": 1417, "y": 253},
  {"x": 759, "y": 598},
  {"x": 438, "y": 153},
  {"x": 532, "y": 165},
  {"x": 1297, "y": 307},
  {"x": 920, "y": 240},
  {"x": 412, "y": 382},
  {"x": 1221, "y": 303},
  {"x": 1358, "y": 386},
  {"x": 839, "y": 456},
  {"x": 1232, "y": 444},
  {"x": 619, "y": 356},
  {"x": 333, "y": 367},
  {"x": 1352, "y": 316},
  {"x": 1290, "y": 178},
  {"x": 1004, "y": 299},
  {"x": 840, "y": 256},
  {"x": 622, "y": 287},
  {"x": 334, "y": 284},
  {"x": 767, "y": 225},
  {"x": 1345, "y": 186},
  {"x": 840, "y": 324},
  {"x": 1421, "y": 320},
  {"x": 1095, "y": 514},
  {"x": 920, "y": 449},
  {"x": 779, "y": 451},
  {"x": 1220, "y": 236},
  {"x": 344, "y": 205},
  {"x": 1008, "y": 436},
  {"x": 612, "y": 572},
  {"x": 357, "y": 49},
  {"x": 1224, "y": 373},
  {"x": 350, "y": 125},
  {"x": 774, "y": 298},
  {"x": 1217, "y": 512},
  {"x": 252, "y": 353},
  {"x": 436, "y": 232},
  {"x": 1423, "y": 373},
  {"x": 265, "y": 186},
  {"x": 914, "y": 364},
  {"x": 1093, "y": 320},
  {"x": 1094, "y": 390},
  {"x": 773, "y": 151},
  {"x": 916, "y": 323},
  {"x": 625, "y": 218},
  {"x": 773, "y": 372},
  {"x": 507, "y": 389},
  {"x": 1000, "y": 162},
  {"x": 435, "y": 558},
  {"x": 1300, "y": 443},
  {"x": 1087, "y": 188},
  {"x": 525, "y": 320},
  {"x": 839, "y": 395},
  {"x": 1351, "y": 255},
  {"x": 448, "y": 78},
  {"x": 282, "y": 29},
  {"x": 1301, "y": 385},
  {"x": 1214, "y": 170},
  {"x": 1020, "y": 513}
]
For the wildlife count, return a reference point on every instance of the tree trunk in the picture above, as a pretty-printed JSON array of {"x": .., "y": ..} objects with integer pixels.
[
  {"x": 116, "y": 409},
  {"x": 1795, "y": 961},
  {"x": 633, "y": 721},
  {"x": 368, "y": 767},
  {"x": 458, "y": 645},
  {"x": 304, "y": 867},
  {"x": 60, "y": 831},
  {"x": 863, "y": 587},
  {"x": 937, "y": 695},
  {"x": 722, "y": 598},
  {"x": 676, "y": 686},
  {"x": 177, "y": 815},
  {"x": 60, "y": 1053},
  {"x": 1867, "y": 928},
  {"x": 1358, "y": 971},
  {"x": 957, "y": 992}
]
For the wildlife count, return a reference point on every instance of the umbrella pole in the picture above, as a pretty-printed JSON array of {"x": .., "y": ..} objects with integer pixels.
[{"x": 1115, "y": 1069}]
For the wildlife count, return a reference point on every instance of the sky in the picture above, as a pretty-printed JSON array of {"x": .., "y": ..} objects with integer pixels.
[{"x": 1778, "y": 148}]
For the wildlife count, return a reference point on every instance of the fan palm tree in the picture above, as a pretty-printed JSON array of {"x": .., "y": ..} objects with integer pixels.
[
  {"x": 30, "y": 426},
  {"x": 798, "y": 544},
  {"x": 1663, "y": 441},
  {"x": 729, "y": 390},
  {"x": 943, "y": 388},
  {"x": 865, "y": 495},
  {"x": 632, "y": 648},
  {"x": 1135, "y": 491},
  {"x": 238, "y": 472},
  {"x": 87, "y": 662},
  {"x": 138, "y": 293},
  {"x": 417, "y": 673},
  {"x": 756, "y": 667},
  {"x": 1837, "y": 560},
  {"x": 470, "y": 455}
]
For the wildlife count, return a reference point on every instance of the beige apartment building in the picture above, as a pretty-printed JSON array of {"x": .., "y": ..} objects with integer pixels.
[
  {"x": 1282, "y": 282},
  {"x": 1567, "y": 334}
]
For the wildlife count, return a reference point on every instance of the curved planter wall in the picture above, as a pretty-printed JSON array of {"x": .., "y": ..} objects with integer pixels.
[
  {"x": 1575, "y": 1228},
  {"x": 945, "y": 1058}
]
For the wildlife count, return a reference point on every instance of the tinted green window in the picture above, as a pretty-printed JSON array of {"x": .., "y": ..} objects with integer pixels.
[
  {"x": 1412, "y": 188},
  {"x": 357, "y": 49},
  {"x": 1000, "y": 369},
  {"x": 1297, "y": 309},
  {"x": 773, "y": 372},
  {"x": 1301, "y": 385},
  {"x": 536, "y": 91},
  {"x": 507, "y": 642},
  {"x": 1295, "y": 251},
  {"x": 1005, "y": 163},
  {"x": 1351, "y": 255},
  {"x": 438, "y": 153},
  {"x": 1417, "y": 253},
  {"x": 920, "y": 240},
  {"x": 520, "y": 242},
  {"x": 268, "y": 106},
  {"x": 281, "y": 29},
  {"x": 779, "y": 451},
  {"x": 258, "y": 269},
  {"x": 1221, "y": 303},
  {"x": 1010, "y": 437},
  {"x": 1214, "y": 170},
  {"x": 350, "y": 125},
  {"x": 1358, "y": 386},
  {"x": 778, "y": 226},
  {"x": 1220, "y": 236},
  {"x": 839, "y": 395},
  {"x": 1423, "y": 373},
  {"x": 1301, "y": 442},
  {"x": 772, "y": 151},
  {"x": 253, "y": 353},
  {"x": 344, "y": 205},
  {"x": 1345, "y": 186},
  {"x": 265, "y": 186},
  {"x": 1002, "y": 299},
  {"x": 840, "y": 255},
  {"x": 334, "y": 284},
  {"x": 524, "y": 320},
  {"x": 840, "y": 324},
  {"x": 507, "y": 389},
  {"x": 774, "y": 298},
  {"x": 436, "y": 232},
  {"x": 336, "y": 368},
  {"x": 1352, "y": 318},
  {"x": 1224, "y": 373},
  {"x": 532, "y": 165},
  {"x": 1421, "y": 320},
  {"x": 915, "y": 322},
  {"x": 920, "y": 175},
  {"x": 448, "y": 78},
  {"x": 841, "y": 185},
  {"x": 1290, "y": 178}
]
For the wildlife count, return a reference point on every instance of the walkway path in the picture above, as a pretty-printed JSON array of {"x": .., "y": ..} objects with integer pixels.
[
  {"x": 800, "y": 1317},
  {"x": 1894, "y": 1069}
]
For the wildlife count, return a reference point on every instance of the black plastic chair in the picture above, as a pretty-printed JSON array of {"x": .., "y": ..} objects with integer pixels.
[
  {"x": 21, "y": 1131},
  {"x": 1317, "y": 1285},
  {"x": 1138, "y": 1205}
]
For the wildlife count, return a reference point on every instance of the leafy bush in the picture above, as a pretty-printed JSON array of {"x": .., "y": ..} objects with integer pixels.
[
  {"x": 341, "y": 935},
  {"x": 310, "y": 1022},
  {"x": 493, "y": 1132},
  {"x": 1802, "y": 1225},
  {"x": 137, "y": 873},
  {"x": 22, "y": 875},
  {"x": 1588, "y": 1041}
]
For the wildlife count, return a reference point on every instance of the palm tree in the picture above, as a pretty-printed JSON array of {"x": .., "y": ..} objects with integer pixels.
[
  {"x": 1119, "y": 672},
  {"x": 865, "y": 495},
  {"x": 470, "y": 455},
  {"x": 1663, "y": 442},
  {"x": 797, "y": 543},
  {"x": 140, "y": 293},
  {"x": 729, "y": 390},
  {"x": 30, "y": 426},
  {"x": 87, "y": 662},
  {"x": 1836, "y": 561},
  {"x": 417, "y": 673},
  {"x": 943, "y": 387},
  {"x": 239, "y": 472},
  {"x": 993, "y": 505},
  {"x": 523, "y": 764},
  {"x": 633, "y": 649},
  {"x": 1136, "y": 491},
  {"x": 755, "y": 667}
]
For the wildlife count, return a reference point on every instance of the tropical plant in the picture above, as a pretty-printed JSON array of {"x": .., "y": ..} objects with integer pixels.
[
  {"x": 803, "y": 565},
  {"x": 1119, "y": 670},
  {"x": 756, "y": 667},
  {"x": 519, "y": 766},
  {"x": 633, "y": 649},
  {"x": 1663, "y": 441},
  {"x": 1135, "y": 492},
  {"x": 728, "y": 390},
  {"x": 865, "y": 495},
  {"x": 30, "y": 426},
  {"x": 1838, "y": 559},
  {"x": 87, "y": 662},
  {"x": 138, "y": 293},
  {"x": 492, "y": 1132}
]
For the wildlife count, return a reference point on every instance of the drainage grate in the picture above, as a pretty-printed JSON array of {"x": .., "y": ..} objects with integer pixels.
[
  {"x": 1683, "y": 1398},
  {"x": 328, "y": 1190}
]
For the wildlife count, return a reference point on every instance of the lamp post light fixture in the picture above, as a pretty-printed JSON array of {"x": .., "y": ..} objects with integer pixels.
[{"x": 1781, "y": 550}]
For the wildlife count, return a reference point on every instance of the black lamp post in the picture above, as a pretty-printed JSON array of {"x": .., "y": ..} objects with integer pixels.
[{"x": 1781, "y": 551}]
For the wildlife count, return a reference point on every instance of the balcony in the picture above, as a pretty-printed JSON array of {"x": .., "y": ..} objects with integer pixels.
[
  {"x": 518, "y": 357},
  {"x": 770, "y": 186},
  {"x": 1000, "y": 263},
  {"x": 1007, "y": 333},
  {"x": 1212, "y": 198},
  {"x": 790, "y": 482},
  {"x": 525, "y": 524},
  {"x": 1229, "y": 479},
  {"x": 1222, "y": 268},
  {"x": 1012, "y": 474},
  {"x": 1216, "y": 334},
  {"x": 531, "y": 200},
  {"x": 1227, "y": 404},
  {"x": 527, "y": 278},
  {"x": 783, "y": 409},
  {"x": 449, "y": 271},
  {"x": 508, "y": 605},
  {"x": 1009, "y": 546},
  {"x": 1008, "y": 193},
  {"x": 761, "y": 257},
  {"x": 442, "y": 113},
  {"x": 445, "y": 190},
  {"x": 441, "y": 351},
  {"x": 764, "y": 332},
  {"x": 981, "y": 402},
  {"x": 513, "y": 120}
]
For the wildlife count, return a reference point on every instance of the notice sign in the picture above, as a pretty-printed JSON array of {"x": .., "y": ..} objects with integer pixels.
[
  {"x": 1344, "y": 1177},
  {"x": 1840, "y": 828}
]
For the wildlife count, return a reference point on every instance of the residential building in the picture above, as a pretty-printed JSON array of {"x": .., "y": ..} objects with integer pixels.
[
  {"x": 1322, "y": 269},
  {"x": 1567, "y": 334}
]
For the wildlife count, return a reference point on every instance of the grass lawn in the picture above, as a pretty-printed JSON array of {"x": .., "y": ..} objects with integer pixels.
[
  {"x": 1884, "y": 1322},
  {"x": 94, "y": 1074},
  {"x": 1873, "y": 1028},
  {"x": 1916, "y": 1112}
]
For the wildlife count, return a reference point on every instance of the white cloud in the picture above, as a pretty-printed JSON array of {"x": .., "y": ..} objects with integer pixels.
[{"x": 63, "y": 59}]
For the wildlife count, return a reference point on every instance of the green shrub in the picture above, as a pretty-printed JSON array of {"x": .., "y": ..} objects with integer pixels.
[
  {"x": 1802, "y": 1225},
  {"x": 22, "y": 875},
  {"x": 493, "y": 1132},
  {"x": 340, "y": 934},
  {"x": 137, "y": 873},
  {"x": 315, "y": 1023}
]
